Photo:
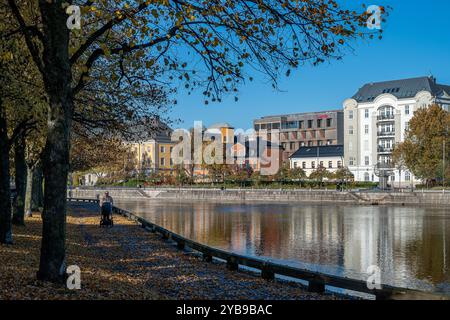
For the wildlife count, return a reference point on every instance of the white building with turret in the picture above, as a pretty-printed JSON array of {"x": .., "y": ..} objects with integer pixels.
[{"x": 376, "y": 118}]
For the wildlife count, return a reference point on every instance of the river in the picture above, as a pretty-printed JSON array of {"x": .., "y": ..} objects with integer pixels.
[{"x": 410, "y": 245}]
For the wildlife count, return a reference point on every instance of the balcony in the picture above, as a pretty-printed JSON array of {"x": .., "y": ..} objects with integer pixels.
[
  {"x": 385, "y": 117},
  {"x": 386, "y": 133},
  {"x": 385, "y": 149}
]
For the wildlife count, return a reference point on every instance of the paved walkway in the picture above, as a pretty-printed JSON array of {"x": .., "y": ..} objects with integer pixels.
[{"x": 134, "y": 254}]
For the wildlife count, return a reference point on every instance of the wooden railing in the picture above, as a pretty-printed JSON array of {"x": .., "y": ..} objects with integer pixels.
[
  {"x": 83, "y": 200},
  {"x": 316, "y": 280}
]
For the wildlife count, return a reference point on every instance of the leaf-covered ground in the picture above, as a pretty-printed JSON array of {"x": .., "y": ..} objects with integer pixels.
[{"x": 127, "y": 262}]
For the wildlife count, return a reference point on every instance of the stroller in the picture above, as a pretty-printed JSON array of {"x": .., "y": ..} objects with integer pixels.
[{"x": 107, "y": 218}]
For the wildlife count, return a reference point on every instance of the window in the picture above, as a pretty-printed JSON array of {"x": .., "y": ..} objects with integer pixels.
[
  {"x": 276, "y": 125},
  {"x": 407, "y": 176},
  {"x": 292, "y": 145},
  {"x": 366, "y": 113},
  {"x": 320, "y": 143},
  {"x": 162, "y": 161},
  {"x": 300, "y": 124},
  {"x": 329, "y": 122},
  {"x": 310, "y": 143},
  {"x": 406, "y": 126},
  {"x": 329, "y": 142},
  {"x": 350, "y": 114},
  {"x": 319, "y": 123},
  {"x": 289, "y": 125},
  {"x": 366, "y": 160},
  {"x": 350, "y": 129},
  {"x": 366, "y": 176},
  {"x": 330, "y": 164},
  {"x": 302, "y": 143},
  {"x": 407, "y": 109},
  {"x": 171, "y": 162},
  {"x": 163, "y": 149},
  {"x": 321, "y": 164},
  {"x": 313, "y": 164},
  {"x": 310, "y": 123},
  {"x": 339, "y": 164},
  {"x": 295, "y": 164},
  {"x": 304, "y": 165},
  {"x": 351, "y": 161},
  {"x": 366, "y": 129}
]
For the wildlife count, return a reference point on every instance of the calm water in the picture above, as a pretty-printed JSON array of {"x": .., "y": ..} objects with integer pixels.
[{"x": 410, "y": 245}]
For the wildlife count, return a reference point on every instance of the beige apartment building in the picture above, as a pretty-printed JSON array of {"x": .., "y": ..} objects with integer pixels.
[
  {"x": 303, "y": 129},
  {"x": 152, "y": 154}
]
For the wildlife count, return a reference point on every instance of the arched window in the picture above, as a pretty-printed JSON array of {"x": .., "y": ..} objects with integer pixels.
[{"x": 386, "y": 112}]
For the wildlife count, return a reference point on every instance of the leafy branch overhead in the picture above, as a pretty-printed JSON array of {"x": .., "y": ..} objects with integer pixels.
[{"x": 212, "y": 44}]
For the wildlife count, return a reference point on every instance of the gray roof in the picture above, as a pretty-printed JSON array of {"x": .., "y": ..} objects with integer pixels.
[
  {"x": 405, "y": 88},
  {"x": 154, "y": 129},
  {"x": 280, "y": 117},
  {"x": 321, "y": 151},
  {"x": 220, "y": 125}
]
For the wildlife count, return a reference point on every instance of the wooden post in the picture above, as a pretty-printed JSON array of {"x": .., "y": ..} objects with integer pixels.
[
  {"x": 180, "y": 245},
  {"x": 232, "y": 265},
  {"x": 316, "y": 286},
  {"x": 267, "y": 274},
  {"x": 165, "y": 236},
  {"x": 207, "y": 257}
]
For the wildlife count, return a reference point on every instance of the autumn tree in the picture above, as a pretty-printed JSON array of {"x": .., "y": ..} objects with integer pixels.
[
  {"x": 297, "y": 173},
  {"x": 283, "y": 172},
  {"x": 320, "y": 174},
  {"x": 343, "y": 174},
  {"x": 240, "y": 173},
  {"x": 20, "y": 106},
  {"x": 422, "y": 151},
  {"x": 165, "y": 41},
  {"x": 181, "y": 175}
]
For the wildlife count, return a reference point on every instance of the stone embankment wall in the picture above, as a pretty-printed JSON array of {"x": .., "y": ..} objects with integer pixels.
[{"x": 435, "y": 198}]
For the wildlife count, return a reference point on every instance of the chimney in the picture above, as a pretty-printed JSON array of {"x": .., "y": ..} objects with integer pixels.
[{"x": 433, "y": 79}]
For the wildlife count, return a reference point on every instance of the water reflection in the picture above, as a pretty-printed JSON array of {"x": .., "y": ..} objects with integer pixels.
[{"x": 410, "y": 245}]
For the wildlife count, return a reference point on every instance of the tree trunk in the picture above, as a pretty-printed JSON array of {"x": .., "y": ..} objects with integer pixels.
[
  {"x": 29, "y": 191},
  {"x": 5, "y": 188},
  {"x": 57, "y": 80},
  {"x": 37, "y": 192},
  {"x": 20, "y": 180}
]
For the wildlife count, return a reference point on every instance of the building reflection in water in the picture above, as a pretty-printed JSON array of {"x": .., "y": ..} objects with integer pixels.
[{"x": 410, "y": 245}]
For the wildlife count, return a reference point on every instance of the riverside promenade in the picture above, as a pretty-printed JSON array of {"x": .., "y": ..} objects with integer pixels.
[{"x": 126, "y": 262}]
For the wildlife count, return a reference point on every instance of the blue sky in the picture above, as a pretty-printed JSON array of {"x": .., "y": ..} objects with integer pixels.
[{"x": 416, "y": 42}]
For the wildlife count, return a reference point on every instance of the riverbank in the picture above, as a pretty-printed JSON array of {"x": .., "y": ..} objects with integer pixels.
[
  {"x": 126, "y": 262},
  {"x": 418, "y": 198}
]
